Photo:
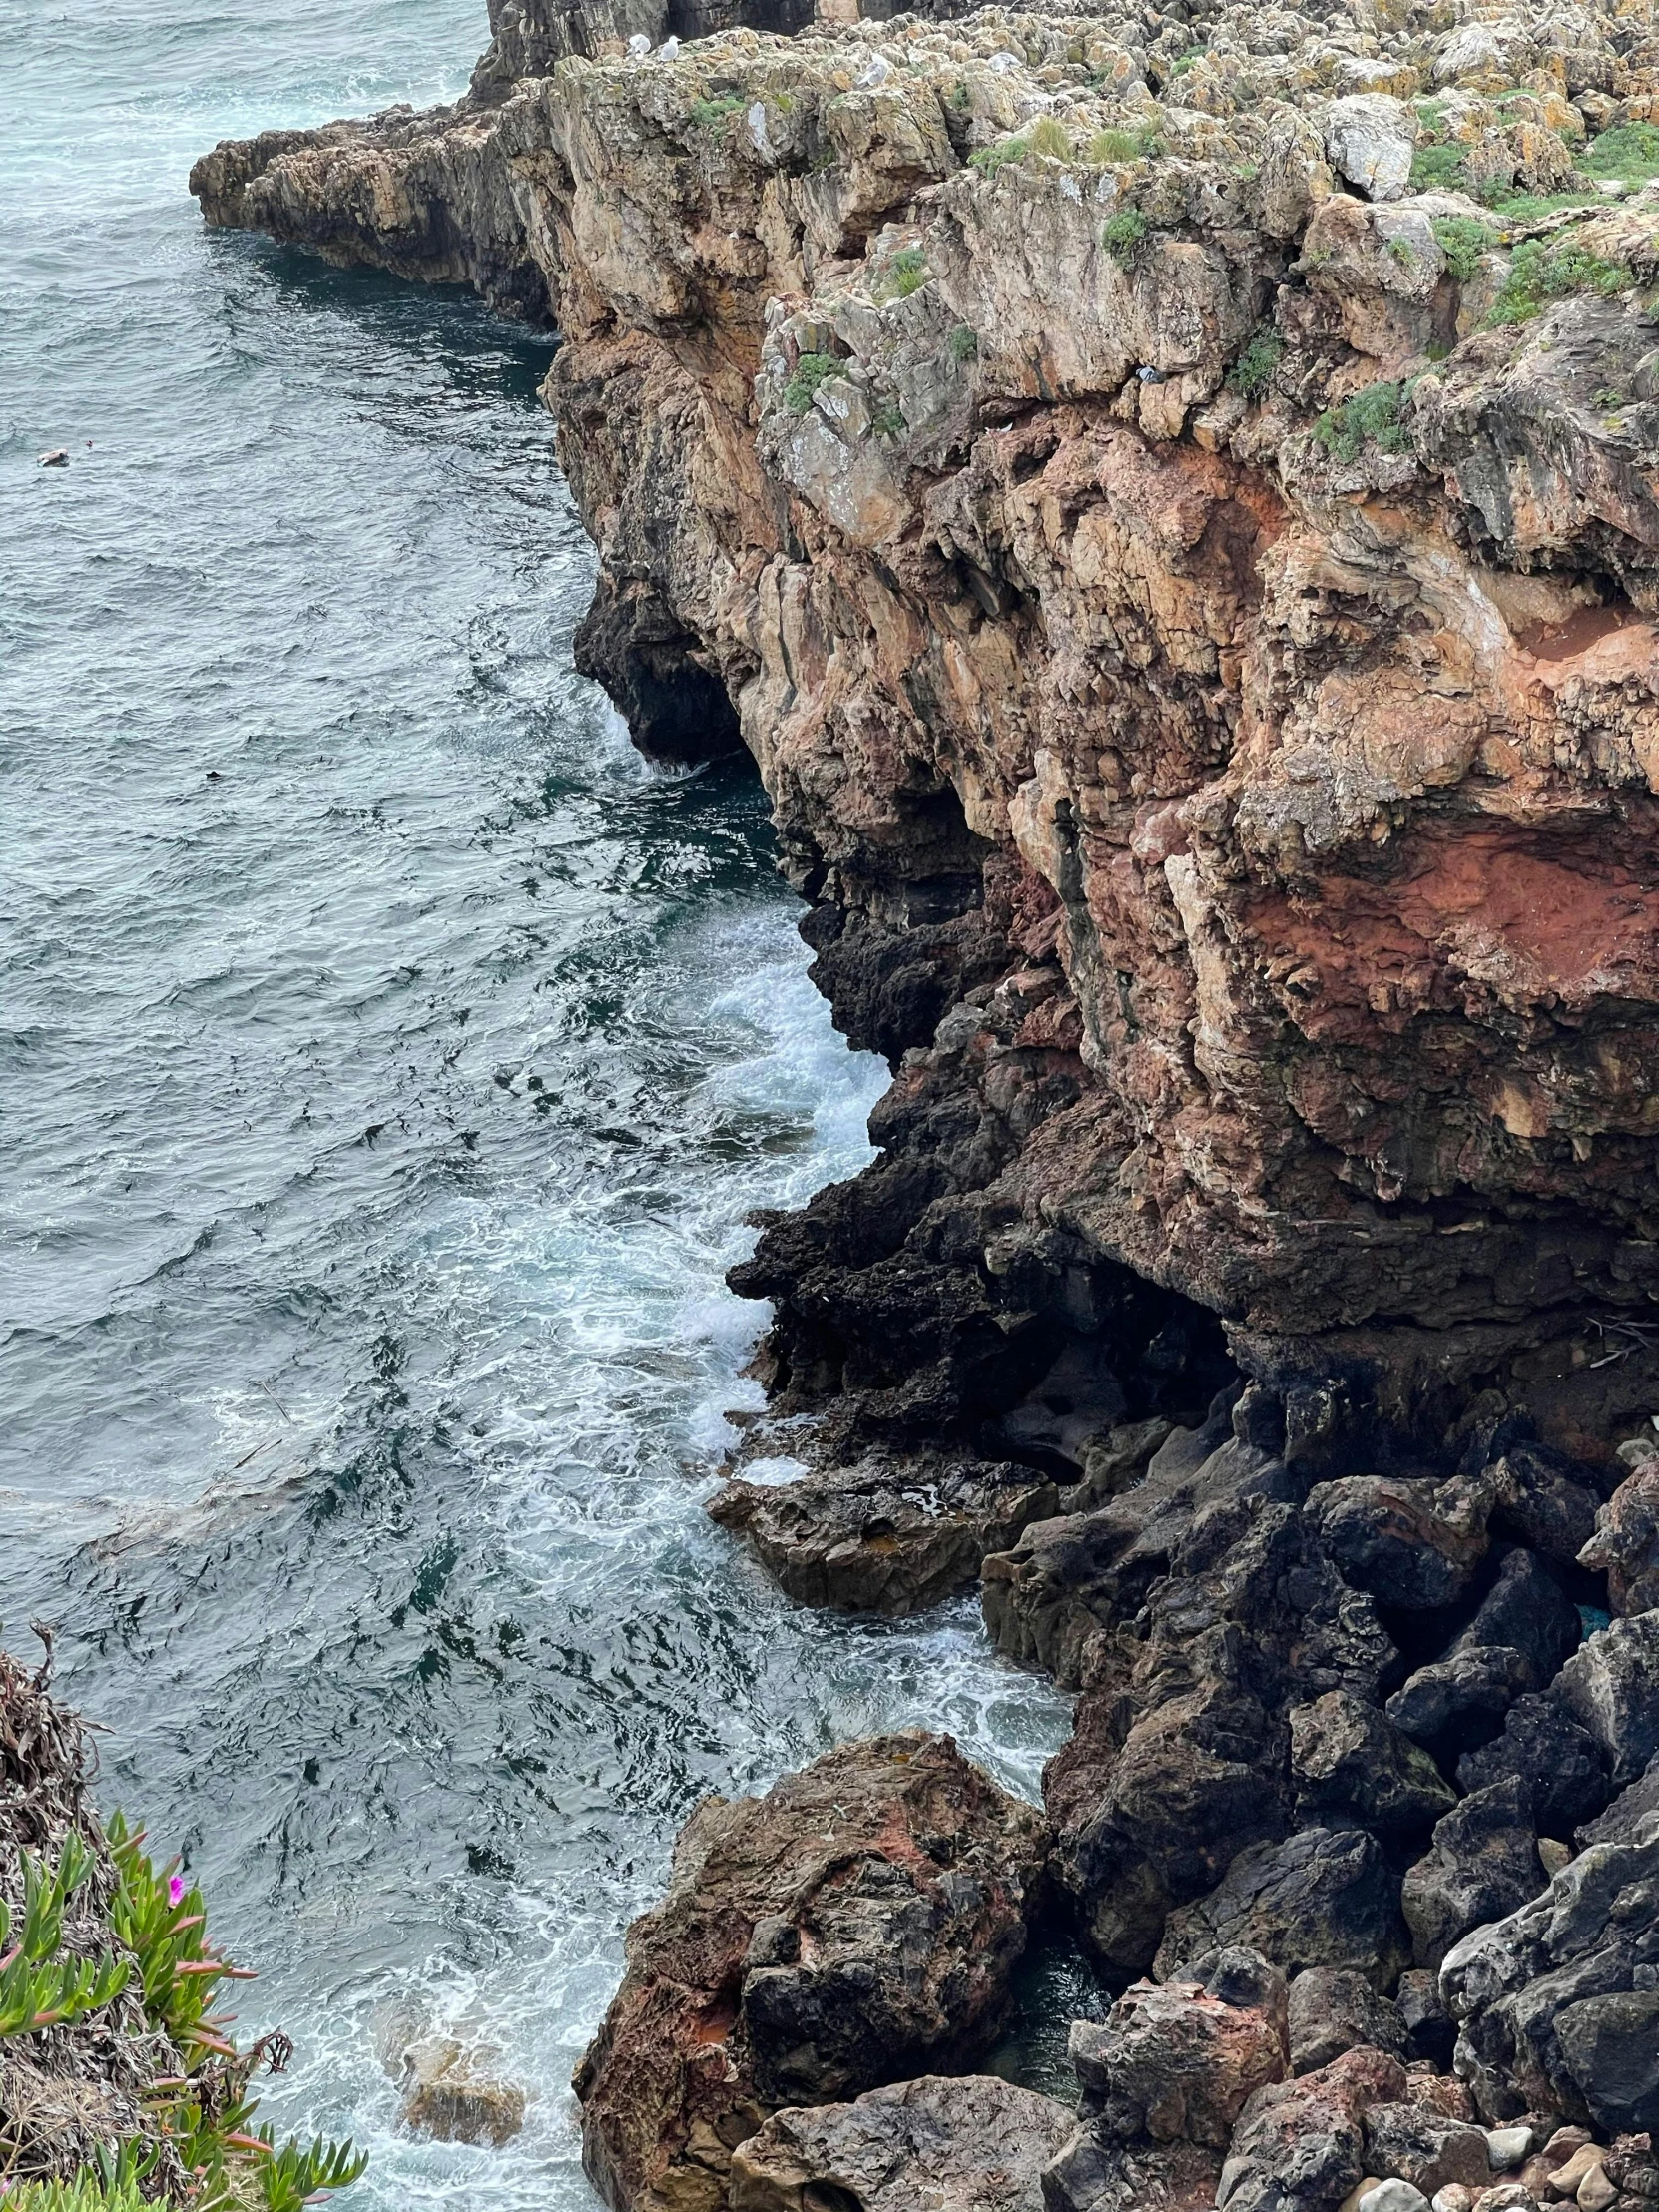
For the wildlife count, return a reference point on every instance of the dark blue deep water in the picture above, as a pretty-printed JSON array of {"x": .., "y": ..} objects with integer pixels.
[{"x": 387, "y": 1060}]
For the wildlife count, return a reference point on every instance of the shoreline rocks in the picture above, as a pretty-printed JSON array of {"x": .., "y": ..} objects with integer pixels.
[
  {"x": 848, "y": 1929},
  {"x": 1168, "y": 502}
]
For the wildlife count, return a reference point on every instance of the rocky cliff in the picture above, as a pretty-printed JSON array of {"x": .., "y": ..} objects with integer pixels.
[
  {"x": 1167, "y": 498},
  {"x": 1171, "y": 511}
]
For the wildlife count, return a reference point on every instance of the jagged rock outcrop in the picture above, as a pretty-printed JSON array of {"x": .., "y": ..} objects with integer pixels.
[
  {"x": 1558, "y": 2004},
  {"x": 1113, "y": 499},
  {"x": 884, "y": 1536},
  {"x": 856, "y": 1926}
]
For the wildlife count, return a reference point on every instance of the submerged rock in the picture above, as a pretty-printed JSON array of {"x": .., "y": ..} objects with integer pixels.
[
  {"x": 853, "y": 1926},
  {"x": 452, "y": 2095}
]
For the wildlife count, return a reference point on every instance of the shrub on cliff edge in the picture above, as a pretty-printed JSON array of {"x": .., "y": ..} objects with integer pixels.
[{"x": 157, "y": 2083}]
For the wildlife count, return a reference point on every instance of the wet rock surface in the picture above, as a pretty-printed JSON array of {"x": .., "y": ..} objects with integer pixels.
[
  {"x": 880, "y": 1536},
  {"x": 858, "y": 1921}
]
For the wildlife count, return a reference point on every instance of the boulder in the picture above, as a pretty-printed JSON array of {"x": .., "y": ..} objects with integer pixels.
[
  {"x": 1610, "y": 1685},
  {"x": 1431, "y": 2030},
  {"x": 889, "y": 1535},
  {"x": 1347, "y": 1757},
  {"x": 1334, "y": 2009},
  {"x": 1524, "y": 1629},
  {"x": 1250, "y": 1619},
  {"x": 856, "y": 1924},
  {"x": 1483, "y": 1863},
  {"x": 1424, "y": 2147},
  {"x": 1322, "y": 1898},
  {"x": 1164, "y": 2078},
  {"x": 1071, "y": 1578},
  {"x": 1620, "y": 1820},
  {"x": 971, "y": 2143},
  {"x": 1300, "y": 2145},
  {"x": 1625, "y": 1545},
  {"x": 1562, "y": 1767},
  {"x": 1411, "y": 1543},
  {"x": 1555, "y": 2003},
  {"x": 1177, "y": 2061},
  {"x": 1369, "y": 139},
  {"x": 1544, "y": 1499},
  {"x": 1459, "y": 1702}
]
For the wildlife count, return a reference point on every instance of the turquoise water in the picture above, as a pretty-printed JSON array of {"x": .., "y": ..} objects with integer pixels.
[{"x": 388, "y": 1061}]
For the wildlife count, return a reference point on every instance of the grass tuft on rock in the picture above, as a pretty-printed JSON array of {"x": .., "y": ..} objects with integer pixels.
[
  {"x": 989, "y": 158},
  {"x": 1541, "y": 270},
  {"x": 1252, "y": 372},
  {"x": 1123, "y": 233},
  {"x": 811, "y": 370},
  {"x": 1369, "y": 417},
  {"x": 1464, "y": 241},
  {"x": 1628, "y": 152},
  {"x": 709, "y": 113}
]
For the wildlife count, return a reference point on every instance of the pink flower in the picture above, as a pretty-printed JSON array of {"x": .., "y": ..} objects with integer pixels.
[{"x": 175, "y": 1890}]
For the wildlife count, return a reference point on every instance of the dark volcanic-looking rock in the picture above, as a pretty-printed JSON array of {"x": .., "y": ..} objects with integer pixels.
[
  {"x": 1411, "y": 1543},
  {"x": 970, "y": 2143},
  {"x": 1560, "y": 1762},
  {"x": 1422, "y": 2012},
  {"x": 1322, "y": 1898},
  {"x": 1524, "y": 1629},
  {"x": 1484, "y": 1862},
  {"x": 1557, "y": 2002},
  {"x": 1625, "y": 1545},
  {"x": 1164, "y": 2078},
  {"x": 1068, "y": 1579},
  {"x": 1611, "y": 1686},
  {"x": 1334, "y": 2009},
  {"x": 856, "y": 1924},
  {"x": 1251, "y": 1619},
  {"x": 1618, "y": 1821},
  {"x": 1300, "y": 2145},
  {"x": 1178, "y": 2059},
  {"x": 1346, "y": 1757},
  {"x": 1540, "y": 1499},
  {"x": 887, "y": 1535},
  {"x": 1424, "y": 2147}
]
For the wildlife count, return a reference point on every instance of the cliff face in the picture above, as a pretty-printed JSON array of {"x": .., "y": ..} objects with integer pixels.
[{"x": 1190, "y": 595}]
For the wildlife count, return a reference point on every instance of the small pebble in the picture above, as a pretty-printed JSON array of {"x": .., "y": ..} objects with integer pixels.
[
  {"x": 1455, "y": 2197},
  {"x": 1507, "y": 2146},
  {"x": 1564, "y": 2182},
  {"x": 1505, "y": 2196},
  {"x": 1595, "y": 2191}
]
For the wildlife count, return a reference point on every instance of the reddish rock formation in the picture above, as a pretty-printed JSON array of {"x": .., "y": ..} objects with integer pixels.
[
  {"x": 1144, "y": 570},
  {"x": 855, "y": 1926},
  {"x": 1191, "y": 593}
]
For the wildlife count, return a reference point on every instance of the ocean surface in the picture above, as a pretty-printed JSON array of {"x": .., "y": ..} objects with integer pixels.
[{"x": 387, "y": 1062}]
